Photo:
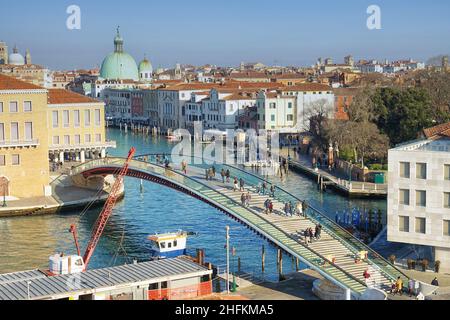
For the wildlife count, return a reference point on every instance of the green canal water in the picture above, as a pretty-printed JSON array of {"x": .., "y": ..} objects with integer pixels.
[{"x": 27, "y": 242}]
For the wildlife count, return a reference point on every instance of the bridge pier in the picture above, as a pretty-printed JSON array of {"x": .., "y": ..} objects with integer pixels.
[{"x": 348, "y": 294}]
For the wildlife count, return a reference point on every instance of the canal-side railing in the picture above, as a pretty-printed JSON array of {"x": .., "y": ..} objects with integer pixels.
[{"x": 308, "y": 256}]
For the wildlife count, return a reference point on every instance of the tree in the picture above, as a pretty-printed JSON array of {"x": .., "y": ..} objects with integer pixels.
[
  {"x": 364, "y": 138},
  {"x": 437, "y": 85},
  {"x": 402, "y": 113},
  {"x": 318, "y": 113},
  {"x": 362, "y": 107}
]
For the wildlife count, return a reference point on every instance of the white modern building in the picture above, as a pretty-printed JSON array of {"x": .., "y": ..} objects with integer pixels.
[{"x": 419, "y": 193}]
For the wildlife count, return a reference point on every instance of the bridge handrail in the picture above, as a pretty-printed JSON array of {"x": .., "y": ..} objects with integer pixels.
[
  {"x": 343, "y": 234},
  {"x": 350, "y": 276}
]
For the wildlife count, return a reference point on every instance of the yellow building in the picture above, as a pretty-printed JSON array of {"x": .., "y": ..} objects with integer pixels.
[
  {"x": 39, "y": 125},
  {"x": 24, "y": 170},
  {"x": 76, "y": 127}
]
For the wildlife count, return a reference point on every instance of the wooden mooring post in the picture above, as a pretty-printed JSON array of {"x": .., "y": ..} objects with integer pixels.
[
  {"x": 280, "y": 263},
  {"x": 263, "y": 259}
]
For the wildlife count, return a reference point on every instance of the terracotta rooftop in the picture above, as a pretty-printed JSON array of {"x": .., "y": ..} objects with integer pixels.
[
  {"x": 346, "y": 91},
  {"x": 440, "y": 131},
  {"x": 61, "y": 96},
  {"x": 249, "y": 75},
  {"x": 239, "y": 96},
  {"x": 308, "y": 87},
  {"x": 10, "y": 83}
]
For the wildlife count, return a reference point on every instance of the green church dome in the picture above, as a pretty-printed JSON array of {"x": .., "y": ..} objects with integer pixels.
[
  {"x": 119, "y": 65},
  {"x": 145, "y": 65}
]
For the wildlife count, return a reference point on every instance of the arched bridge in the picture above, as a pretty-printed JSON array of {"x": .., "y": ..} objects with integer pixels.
[{"x": 284, "y": 232}]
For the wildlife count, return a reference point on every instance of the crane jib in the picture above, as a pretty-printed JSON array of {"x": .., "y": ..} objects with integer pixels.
[{"x": 107, "y": 210}]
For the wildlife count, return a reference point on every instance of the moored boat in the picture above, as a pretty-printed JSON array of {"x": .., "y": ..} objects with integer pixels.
[{"x": 168, "y": 245}]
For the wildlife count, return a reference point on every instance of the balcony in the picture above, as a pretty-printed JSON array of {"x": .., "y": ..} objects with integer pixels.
[
  {"x": 84, "y": 146},
  {"x": 19, "y": 144}
]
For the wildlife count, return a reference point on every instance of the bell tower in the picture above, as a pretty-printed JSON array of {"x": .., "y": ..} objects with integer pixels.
[
  {"x": 28, "y": 57},
  {"x": 3, "y": 53}
]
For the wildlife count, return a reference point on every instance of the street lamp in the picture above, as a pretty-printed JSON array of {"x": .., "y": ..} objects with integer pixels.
[{"x": 228, "y": 259}]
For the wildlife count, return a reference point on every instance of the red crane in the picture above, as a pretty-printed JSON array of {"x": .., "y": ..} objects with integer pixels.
[{"x": 104, "y": 215}]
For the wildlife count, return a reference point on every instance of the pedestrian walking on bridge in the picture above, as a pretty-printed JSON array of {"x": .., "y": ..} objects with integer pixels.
[
  {"x": 242, "y": 185},
  {"x": 272, "y": 191},
  {"x": 184, "y": 166},
  {"x": 236, "y": 184},
  {"x": 299, "y": 209},
  {"x": 243, "y": 199},
  {"x": 305, "y": 208},
  {"x": 223, "y": 175}
]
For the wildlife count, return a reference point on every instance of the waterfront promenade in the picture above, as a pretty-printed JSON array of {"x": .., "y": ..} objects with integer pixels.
[
  {"x": 65, "y": 196},
  {"x": 303, "y": 164}
]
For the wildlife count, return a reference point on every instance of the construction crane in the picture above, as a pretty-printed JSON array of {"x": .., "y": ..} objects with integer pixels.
[{"x": 74, "y": 264}]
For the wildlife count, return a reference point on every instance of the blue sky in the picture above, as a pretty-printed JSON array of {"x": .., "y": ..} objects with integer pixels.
[{"x": 286, "y": 32}]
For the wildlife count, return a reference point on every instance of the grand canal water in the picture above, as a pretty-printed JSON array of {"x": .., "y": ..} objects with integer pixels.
[{"x": 27, "y": 242}]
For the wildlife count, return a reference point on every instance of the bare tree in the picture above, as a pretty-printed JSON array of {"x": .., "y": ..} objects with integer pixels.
[
  {"x": 362, "y": 108},
  {"x": 316, "y": 115}
]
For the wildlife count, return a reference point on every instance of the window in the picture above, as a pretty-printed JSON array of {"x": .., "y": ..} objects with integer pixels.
[
  {"x": 175, "y": 243},
  {"x": 2, "y": 161},
  {"x": 66, "y": 118},
  {"x": 1, "y": 107},
  {"x": 55, "y": 119},
  {"x": 405, "y": 170},
  {"x": 421, "y": 171},
  {"x": 290, "y": 105},
  {"x": 403, "y": 224},
  {"x": 421, "y": 225},
  {"x": 87, "y": 118},
  {"x": 404, "y": 197},
  {"x": 447, "y": 228},
  {"x": 447, "y": 200},
  {"x": 15, "y": 160},
  {"x": 273, "y": 105},
  {"x": 290, "y": 117},
  {"x": 447, "y": 171},
  {"x": 98, "y": 138},
  {"x": 79, "y": 263},
  {"x": 421, "y": 198},
  {"x": 87, "y": 138},
  {"x": 28, "y": 131},
  {"x": 14, "y": 131},
  {"x": 2, "y": 132},
  {"x": 67, "y": 140},
  {"x": 56, "y": 140},
  {"x": 162, "y": 245},
  {"x": 27, "y": 106},
  {"x": 77, "y": 139},
  {"x": 76, "y": 118},
  {"x": 272, "y": 117},
  {"x": 13, "y": 107},
  {"x": 97, "y": 117},
  {"x": 170, "y": 245}
]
